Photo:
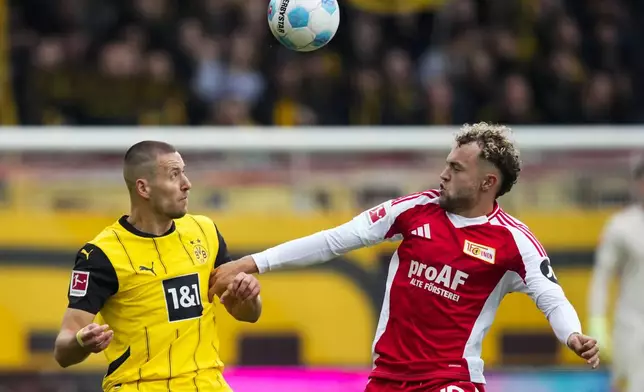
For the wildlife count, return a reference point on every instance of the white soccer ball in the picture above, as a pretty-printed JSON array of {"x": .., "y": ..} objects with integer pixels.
[{"x": 303, "y": 25}]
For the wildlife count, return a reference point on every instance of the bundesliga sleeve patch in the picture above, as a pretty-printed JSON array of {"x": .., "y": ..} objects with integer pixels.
[
  {"x": 548, "y": 272},
  {"x": 376, "y": 214},
  {"x": 79, "y": 283}
]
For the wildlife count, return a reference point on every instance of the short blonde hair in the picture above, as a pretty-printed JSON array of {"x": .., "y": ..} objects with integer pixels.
[{"x": 496, "y": 148}]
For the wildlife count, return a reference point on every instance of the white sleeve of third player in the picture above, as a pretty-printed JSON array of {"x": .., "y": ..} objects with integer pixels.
[
  {"x": 610, "y": 253},
  {"x": 542, "y": 286},
  {"x": 369, "y": 228}
]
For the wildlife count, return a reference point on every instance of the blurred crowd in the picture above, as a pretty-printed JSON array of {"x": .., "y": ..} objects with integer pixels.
[{"x": 203, "y": 62}]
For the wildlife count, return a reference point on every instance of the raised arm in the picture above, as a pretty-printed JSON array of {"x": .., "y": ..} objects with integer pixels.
[
  {"x": 93, "y": 281},
  {"x": 369, "y": 228}
]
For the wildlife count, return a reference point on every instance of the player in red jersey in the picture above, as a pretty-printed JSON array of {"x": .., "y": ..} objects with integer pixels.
[{"x": 460, "y": 254}]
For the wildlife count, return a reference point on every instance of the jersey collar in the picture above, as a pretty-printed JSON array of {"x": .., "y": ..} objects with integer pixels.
[
  {"x": 128, "y": 226},
  {"x": 461, "y": 221}
]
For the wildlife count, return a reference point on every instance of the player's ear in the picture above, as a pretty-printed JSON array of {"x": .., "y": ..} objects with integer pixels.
[
  {"x": 143, "y": 188},
  {"x": 489, "y": 182}
]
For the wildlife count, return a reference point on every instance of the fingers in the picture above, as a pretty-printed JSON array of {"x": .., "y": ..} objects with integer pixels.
[
  {"x": 589, "y": 352},
  {"x": 102, "y": 346},
  {"x": 95, "y": 336},
  {"x": 590, "y": 343},
  {"x": 252, "y": 289},
  {"x": 91, "y": 331},
  {"x": 238, "y": 282},
  {"x": 103, "y": 341},
  {"x": 584, "y": 344},
  {"x": 245, "y": 287},
  {"x": 255, "y": 290},
  {"x": 594, "y": 361},
  {"x": 575, "y": 344},
  {"x": 223, "y": 283},
  {"x": 224, "y": 296},
  {"x": 587, "y": 348}
]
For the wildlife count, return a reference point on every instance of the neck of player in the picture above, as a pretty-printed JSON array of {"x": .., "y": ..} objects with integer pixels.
[
  {"x": 476, "y": 211},
  {"x": 148, "y": 222}
]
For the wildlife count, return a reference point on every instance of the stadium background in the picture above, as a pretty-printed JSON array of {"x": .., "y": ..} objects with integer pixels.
[{"x": 212, "y": 65}]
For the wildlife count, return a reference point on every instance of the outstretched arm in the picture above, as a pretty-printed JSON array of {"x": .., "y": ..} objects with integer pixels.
[
  {"x": 371, "y": 227},
  {"x": 313, "y": 249}
]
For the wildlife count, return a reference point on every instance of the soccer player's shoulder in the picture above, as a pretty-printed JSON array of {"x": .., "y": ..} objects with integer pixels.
[
  {"x": 519, "y": 232},
  {"x": 507, "y": 222},
  {"x": 200, "y": 223},
  {"x": 191, "y": 219},
  {"x": 91, "y": 256},
  {"x": 97, "y": 248},
  {"x": 428, "y": 197}
]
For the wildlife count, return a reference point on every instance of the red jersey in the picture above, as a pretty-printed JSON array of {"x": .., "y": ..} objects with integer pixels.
[{"x": 444, "y": 285}]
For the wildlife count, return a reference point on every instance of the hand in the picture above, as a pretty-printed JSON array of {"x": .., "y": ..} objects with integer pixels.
[
  {"x": 586, "y": 347},
  {"x": 222, "y": 276},
  {"x": 243, "y": 288},
  {"x": 95, "y": 338}
]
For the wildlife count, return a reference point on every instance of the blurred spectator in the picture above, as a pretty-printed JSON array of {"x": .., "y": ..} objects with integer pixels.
[
  {"x": 402, "y": 62},
  {"x": 402, "y": 94}
]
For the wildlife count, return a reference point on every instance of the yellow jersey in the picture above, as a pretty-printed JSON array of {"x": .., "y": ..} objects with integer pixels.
[{"x": 153, "y": 293}]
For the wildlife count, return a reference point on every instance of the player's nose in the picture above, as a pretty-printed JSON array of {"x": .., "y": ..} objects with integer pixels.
[{"x": 186, "y": 186}]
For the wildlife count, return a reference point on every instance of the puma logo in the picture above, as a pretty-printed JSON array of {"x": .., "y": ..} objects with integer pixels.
[
  {"x": 151, "y": 269},
  {"x": 86, "y": 253}
]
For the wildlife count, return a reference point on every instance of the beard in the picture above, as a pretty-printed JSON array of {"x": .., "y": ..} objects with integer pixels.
[
  {"x": 454, "y": 203},
  {"x": 178, "y": 211},
  {"x": 171, "y": 211},
  {"x": 176, "y": 214}
]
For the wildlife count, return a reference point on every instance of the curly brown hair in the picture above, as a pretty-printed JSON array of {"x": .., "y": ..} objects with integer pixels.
[{"x": 496, "y": 148}]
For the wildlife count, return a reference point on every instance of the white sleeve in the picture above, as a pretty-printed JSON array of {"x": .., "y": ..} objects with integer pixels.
[
  {"x": 610, "y": 253},
  {"x": 540, "y": 283},
  {"x": 369, "y": 228}
]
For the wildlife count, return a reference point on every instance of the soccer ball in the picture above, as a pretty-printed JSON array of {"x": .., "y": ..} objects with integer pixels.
[{"x": 303, "y": 25}]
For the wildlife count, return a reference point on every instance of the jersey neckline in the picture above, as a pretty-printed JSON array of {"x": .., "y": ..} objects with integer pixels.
[
  {"x": 460, "y": 221},
  {"x": 129, "y": 227}
]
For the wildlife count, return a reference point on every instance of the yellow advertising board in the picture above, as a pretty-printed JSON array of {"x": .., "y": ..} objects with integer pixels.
[{"x": 332, "y": 310}]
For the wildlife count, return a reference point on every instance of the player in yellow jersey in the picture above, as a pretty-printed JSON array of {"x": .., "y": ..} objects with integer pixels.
[{"x": 146, "y": 277}]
